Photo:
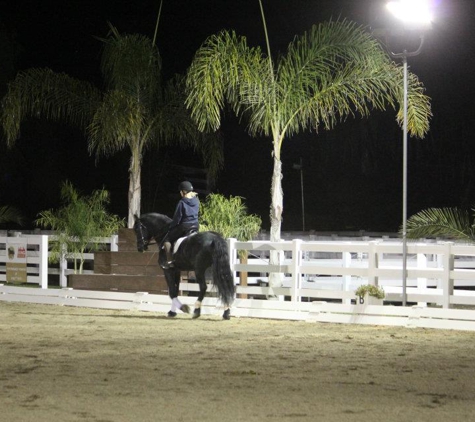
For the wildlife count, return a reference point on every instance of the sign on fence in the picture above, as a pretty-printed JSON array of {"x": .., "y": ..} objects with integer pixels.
[{"x": 16, "y": 260}]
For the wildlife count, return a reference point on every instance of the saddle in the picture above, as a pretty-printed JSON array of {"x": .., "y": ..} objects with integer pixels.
[{"x": 163, "y": 260}]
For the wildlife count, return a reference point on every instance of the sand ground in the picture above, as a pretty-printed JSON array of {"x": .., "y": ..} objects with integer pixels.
[{"x": 74, "y": 364}]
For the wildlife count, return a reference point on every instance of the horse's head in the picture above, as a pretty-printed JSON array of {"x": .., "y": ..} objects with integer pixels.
[
  {"x": 148, "y": 227},
  {"x": 142, "y": 235}
]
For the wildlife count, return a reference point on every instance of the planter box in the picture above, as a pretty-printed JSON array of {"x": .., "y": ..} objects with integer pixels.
[{"x": 369, "y": 300}]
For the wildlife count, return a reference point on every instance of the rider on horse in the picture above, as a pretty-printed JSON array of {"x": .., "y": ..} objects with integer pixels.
[{"x": 185, "y": 220}]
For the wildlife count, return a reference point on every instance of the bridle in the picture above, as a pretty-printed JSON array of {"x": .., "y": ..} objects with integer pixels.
[{"x": 141, "y": 228}]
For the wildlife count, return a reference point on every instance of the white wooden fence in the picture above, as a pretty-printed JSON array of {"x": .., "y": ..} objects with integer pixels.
[
  {"x": 318, "y": 283},
  {"x": 334, "y": 270},
  {"x": 39, "y": 270}
]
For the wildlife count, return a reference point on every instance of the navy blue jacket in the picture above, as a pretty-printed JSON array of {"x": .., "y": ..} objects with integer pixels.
[{"x": 186, "y": 212}]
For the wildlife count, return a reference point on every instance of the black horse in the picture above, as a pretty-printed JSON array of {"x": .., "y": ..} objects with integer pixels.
[{"x": 197, "y": 253}]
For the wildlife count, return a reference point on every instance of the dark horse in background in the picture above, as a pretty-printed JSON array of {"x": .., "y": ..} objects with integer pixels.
[{"x": 197, "y": 253}]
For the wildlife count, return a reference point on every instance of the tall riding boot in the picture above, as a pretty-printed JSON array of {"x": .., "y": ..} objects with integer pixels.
[{"x": 168, "y": 250}]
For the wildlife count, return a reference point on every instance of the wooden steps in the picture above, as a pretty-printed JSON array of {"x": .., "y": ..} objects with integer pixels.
[
  {"x": 132, "y": 263},
  {"x": 124, "y": 271},
  {"x": 119, "y": 283}
]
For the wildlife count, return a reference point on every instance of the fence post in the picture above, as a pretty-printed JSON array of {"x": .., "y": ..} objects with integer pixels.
[
  {"x": 447, "y": 281},
  {"x": 373, "y": 263},
  {"x": 346, "y": 262},
  {"x": 421, "y": 281},
  {"x": 114, "y": 243},
  {"x": 232, "y": 257},
  {"x": 275, "y": 278},
  {"x": 63, "y": 268},
  {"x": 296, "y": 276},
  {"x": 43, "y": 269}
]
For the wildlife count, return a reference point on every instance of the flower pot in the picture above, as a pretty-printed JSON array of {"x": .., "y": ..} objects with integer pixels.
[{"x": 370, "y": 300}]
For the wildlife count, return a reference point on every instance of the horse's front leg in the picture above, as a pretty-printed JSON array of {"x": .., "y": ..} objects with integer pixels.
[
  {"x": 177, "y": 305},
  {"x": 173, "y": 280},
  {"x": 200, "y": 278}
]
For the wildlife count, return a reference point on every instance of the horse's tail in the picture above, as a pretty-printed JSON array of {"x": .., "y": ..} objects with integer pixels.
[{"x": 222, "y": 276}]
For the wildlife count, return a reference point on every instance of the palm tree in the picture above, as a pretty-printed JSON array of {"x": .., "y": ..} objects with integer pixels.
[
  {"x": 333, "y": 71},
  {"x": 136, "y": 111},
  {"x": 442, "y": 222}
]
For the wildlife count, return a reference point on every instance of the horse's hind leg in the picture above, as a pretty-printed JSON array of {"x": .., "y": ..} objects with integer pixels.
[
  {"x": 227, "y": 314},
  {"x": 200, "y": 278}
]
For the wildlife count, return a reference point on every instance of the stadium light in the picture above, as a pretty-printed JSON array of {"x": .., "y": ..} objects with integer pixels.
[{"x": 412, "y": 15}]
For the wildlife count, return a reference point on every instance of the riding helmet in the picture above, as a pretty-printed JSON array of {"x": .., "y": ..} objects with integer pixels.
[{"x": 185, "y": 186}]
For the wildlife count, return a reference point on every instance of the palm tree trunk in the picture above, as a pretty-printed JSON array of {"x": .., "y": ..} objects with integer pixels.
[
  {"x": 135, "y": 187},
  {"x": 277, "y": 207},
  {"x": 277, "y": 201}
]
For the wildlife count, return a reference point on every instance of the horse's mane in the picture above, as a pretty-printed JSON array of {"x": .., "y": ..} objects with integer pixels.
[{"x": 154, "y": 216}]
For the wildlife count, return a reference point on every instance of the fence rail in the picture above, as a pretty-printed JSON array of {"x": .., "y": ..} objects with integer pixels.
[
  {"x": 410, "y": 317},
  {"x": 440, "y": 274}
]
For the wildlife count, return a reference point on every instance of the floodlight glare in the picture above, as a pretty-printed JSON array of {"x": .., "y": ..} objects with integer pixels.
[{"x": 411, "y": 11}]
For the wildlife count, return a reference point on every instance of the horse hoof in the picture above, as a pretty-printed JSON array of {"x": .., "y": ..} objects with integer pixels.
[
  {"x": 227, "y": 315},
  {"x": 185, "y": 309},
  {"x": 171, "y": 314},
  {"x": 196, "y": 313}
]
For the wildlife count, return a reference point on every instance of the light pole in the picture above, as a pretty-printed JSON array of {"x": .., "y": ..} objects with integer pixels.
[
  {"x": 413, "y": 14},
  {"x": 300, "y": 167}
]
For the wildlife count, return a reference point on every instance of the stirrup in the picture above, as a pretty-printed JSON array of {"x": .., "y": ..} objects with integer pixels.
[{"x": 168, "y": 265}]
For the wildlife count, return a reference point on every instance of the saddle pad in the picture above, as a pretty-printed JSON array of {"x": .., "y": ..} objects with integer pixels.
[{"x": 178, "y": 242}]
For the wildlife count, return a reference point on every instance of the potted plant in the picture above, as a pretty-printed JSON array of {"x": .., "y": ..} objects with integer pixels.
[
  {"x": 370, "y": 294},
  {"x": 78, "y": 222}
]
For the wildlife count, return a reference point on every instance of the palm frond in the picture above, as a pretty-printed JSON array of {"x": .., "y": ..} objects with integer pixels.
[
  {"x": 119, "y": 121},
  {"x": 10, "y": 214},
  {"x": 334, "y": 71},
  {"x": 132, "y": 64},
  {"x": 223, "y": 69},
  {"x": 441, "y": 222},
  {"x": 42, "y": 93},
  {"x": 337, "y": 70}
]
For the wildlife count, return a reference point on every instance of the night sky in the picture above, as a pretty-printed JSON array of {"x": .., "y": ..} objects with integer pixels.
[{"x": 352, "y": 174}]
